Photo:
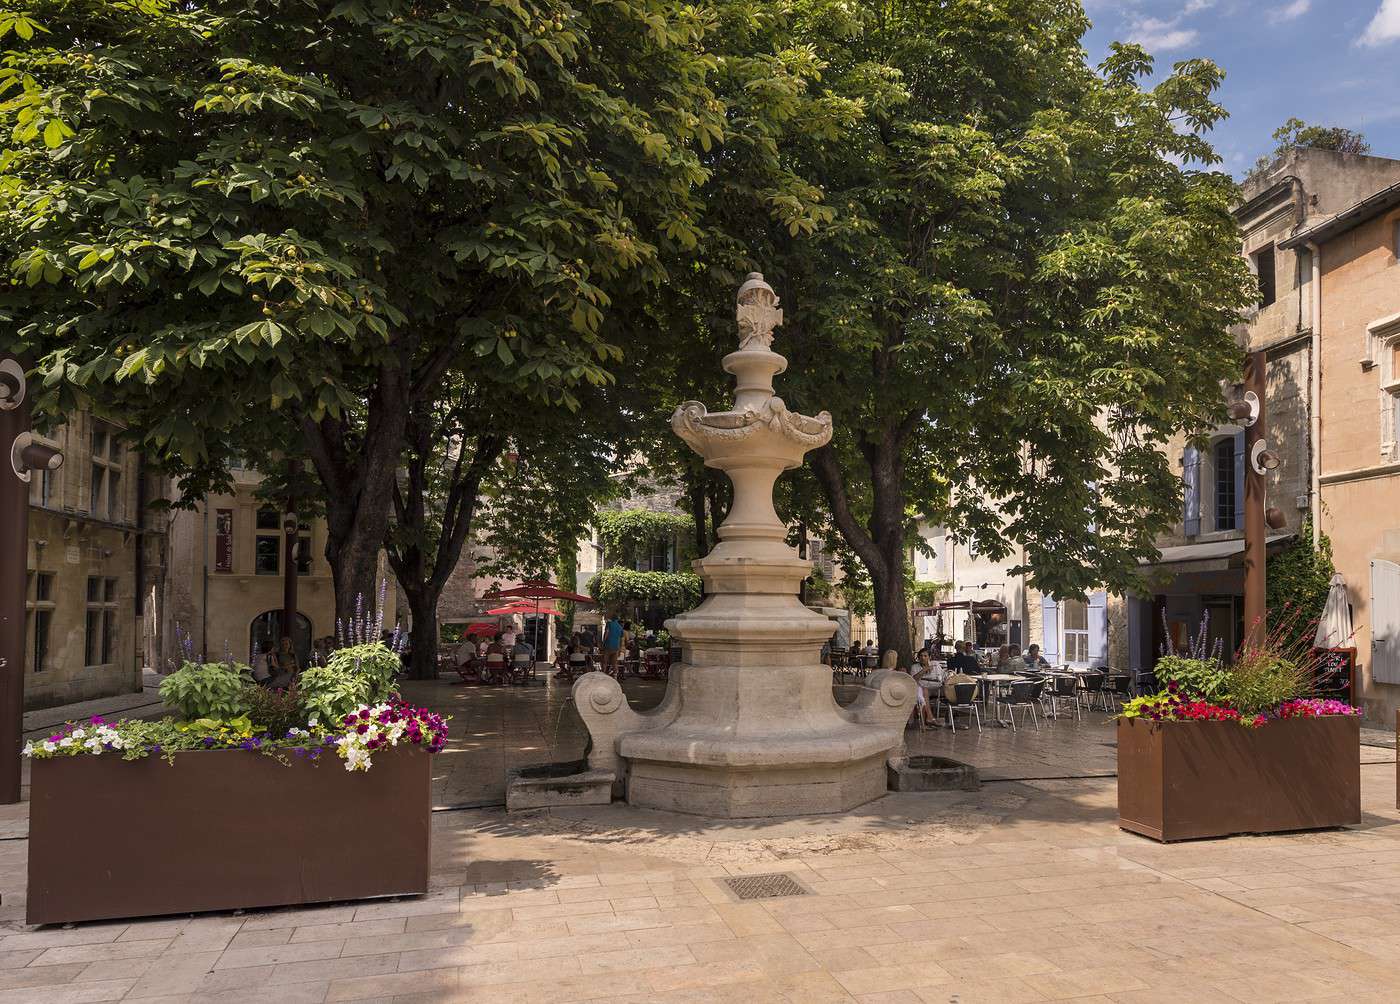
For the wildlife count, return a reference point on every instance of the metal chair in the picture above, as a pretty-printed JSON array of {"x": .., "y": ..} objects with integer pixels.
[
  {"x": 1066, "y": 688},
  {"x": 1092, "y": 688},
  {"x": 1145, "y": 682},
  {"x": 964, "y": 700},
  {"x": 1120, "y": 688},
  {"x": 1024, "y": 696}
]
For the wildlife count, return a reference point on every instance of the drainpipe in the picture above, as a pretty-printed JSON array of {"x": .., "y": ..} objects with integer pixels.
[
  {"x": 204, "y": 596},
  {"x": 1315, "y": 397}
]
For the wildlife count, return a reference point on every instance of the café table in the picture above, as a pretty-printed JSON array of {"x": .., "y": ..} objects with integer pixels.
[{"x": 995, "y": 682}]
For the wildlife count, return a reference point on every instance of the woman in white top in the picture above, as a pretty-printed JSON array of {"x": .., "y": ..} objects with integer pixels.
[{"x": 925, "y": 674}]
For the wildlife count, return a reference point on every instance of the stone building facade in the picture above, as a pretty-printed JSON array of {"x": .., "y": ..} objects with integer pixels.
[
  {"x": 225, "y": 583},
  {"x": 96, "y": 559},
  {"x": 1358, "y": 265}
]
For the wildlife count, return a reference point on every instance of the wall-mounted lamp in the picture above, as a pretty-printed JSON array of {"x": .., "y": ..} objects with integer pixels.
[
  {"x": 1263, "y": 459},
  {"x": 1246, "y": 410},
  {"x": 1273, "y": 516}
]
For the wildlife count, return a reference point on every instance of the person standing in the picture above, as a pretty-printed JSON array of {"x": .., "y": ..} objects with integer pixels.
[{"x": 612, "y": 643}]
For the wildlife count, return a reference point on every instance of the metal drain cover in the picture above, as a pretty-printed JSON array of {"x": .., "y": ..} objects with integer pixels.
[{"x": 774, "y": 886}]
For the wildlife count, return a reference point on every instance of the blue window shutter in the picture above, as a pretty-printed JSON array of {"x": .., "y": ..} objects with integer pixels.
[
  {"x": 1239, "y": 480},
  {"x": 1050, "y": 623},
  {"x": 1098, "y": 628},
  {"x": 1191, "y": 474}
]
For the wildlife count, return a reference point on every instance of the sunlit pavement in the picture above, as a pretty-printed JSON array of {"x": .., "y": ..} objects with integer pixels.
[{"x": 1022, "y": 891}]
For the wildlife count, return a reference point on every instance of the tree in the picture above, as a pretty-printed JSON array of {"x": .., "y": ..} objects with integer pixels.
[
  {"x": 1295, "y": 134},
  {"x": 1005, "y": 285},
  {"x": 278, "y": 226}
]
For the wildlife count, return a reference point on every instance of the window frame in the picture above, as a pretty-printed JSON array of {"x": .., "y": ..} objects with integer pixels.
[
  {"x": 1267, "y": 278},
  {"x": 100, "y": 630},
  {"x": 105, "y": 469},
  {"x": 1223, "y": 491},
  {"x": 1080, "y": 635},
  {"x": 39, "y": 607}
]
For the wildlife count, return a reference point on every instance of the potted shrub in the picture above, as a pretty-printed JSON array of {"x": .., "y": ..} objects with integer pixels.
[
  {"x": 252, "y": 798},
  {"x": 1237, "y": 749}
]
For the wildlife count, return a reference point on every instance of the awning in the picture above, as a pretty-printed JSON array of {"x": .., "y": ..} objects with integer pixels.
[
  {"x": 959, "y": 605},
  {"x": 1208, "y": 556}
]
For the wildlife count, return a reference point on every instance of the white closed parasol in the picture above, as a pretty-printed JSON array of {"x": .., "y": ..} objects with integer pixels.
[{"x": 1334, "y": 628}]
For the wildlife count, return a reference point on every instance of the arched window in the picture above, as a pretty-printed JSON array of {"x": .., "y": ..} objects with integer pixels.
[
  {"x": 1227, "y": 476},
  {"x": 265, "y": 632}
]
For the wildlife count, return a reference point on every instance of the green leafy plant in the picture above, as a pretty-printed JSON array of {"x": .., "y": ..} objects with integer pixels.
[
  {"x": 1299, "y": 578},
  {"x": 673, "y": 592},
  {"x": 1263, "y": 677},
  {"x": 375, "y": 662},
  {"x": 1203, "y": 679},
  {"x": 208, "y": 689},
  {"x": 329, "y": 694},
  {"x": 626, "y": 533},
  {"x": 355, "y": 675},
  {"x": 276, "y": 711}
]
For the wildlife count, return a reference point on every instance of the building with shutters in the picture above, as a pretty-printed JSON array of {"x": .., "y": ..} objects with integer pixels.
[
  {"x": 1357, "y": 258},
  {"x": 96, "y": 561},
  {"x": 1200, "y": 570}
]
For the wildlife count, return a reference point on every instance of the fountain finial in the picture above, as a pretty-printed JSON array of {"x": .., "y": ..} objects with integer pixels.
[{"x": 757, "y": 312}]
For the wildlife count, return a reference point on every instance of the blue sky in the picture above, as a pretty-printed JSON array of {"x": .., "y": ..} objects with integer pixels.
[{"x": 1329, "y": 62}]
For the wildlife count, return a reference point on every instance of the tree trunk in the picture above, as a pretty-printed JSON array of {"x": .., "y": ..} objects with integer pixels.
[
  {"x": 357, "y": 478},
  {"x": 423, "y": 636},
  {"x": 697, "y": 511}
]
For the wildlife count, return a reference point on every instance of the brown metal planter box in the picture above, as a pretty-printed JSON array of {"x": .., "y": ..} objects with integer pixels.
[
  {"x": 221, "y": 830},
  {"x": 1181, "y": 780}
]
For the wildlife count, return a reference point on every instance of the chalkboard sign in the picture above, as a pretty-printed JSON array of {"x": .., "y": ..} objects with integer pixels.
[{"x": 1336, "y": 672}]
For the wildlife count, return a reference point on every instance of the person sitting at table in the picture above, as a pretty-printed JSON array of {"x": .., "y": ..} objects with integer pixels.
[
  {"x": 522, "y": 647},
  {"x": 1034, "y": 660},
  {"x": 962, "y": 660},
  {"x": 1013, "y": 663},
  {"x": 1003, "y": 653},
  {"x": 925, "y": 675},
  {"x": 870, "y": 654},
  {"x": 465, "y": 652}
]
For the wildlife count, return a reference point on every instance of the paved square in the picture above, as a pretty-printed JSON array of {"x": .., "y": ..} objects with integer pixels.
[{"x": 1023, "y": 891}]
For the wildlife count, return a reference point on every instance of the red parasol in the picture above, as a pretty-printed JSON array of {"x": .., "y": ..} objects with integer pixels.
[
  {"x": 527, "y": 609},
  {"x": 481, "y": 629},
  {"x": 539, "y": 589}
]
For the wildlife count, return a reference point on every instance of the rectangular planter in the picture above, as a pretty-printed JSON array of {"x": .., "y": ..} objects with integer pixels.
[
  {"x": 1182, "y": 780},
  {"x": 221, "y": 830}
]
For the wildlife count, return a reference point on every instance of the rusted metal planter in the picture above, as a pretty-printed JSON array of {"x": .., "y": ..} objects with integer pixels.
[
  {"x": 221, "y": 830},
  {"x": 1183, "y": 780}
]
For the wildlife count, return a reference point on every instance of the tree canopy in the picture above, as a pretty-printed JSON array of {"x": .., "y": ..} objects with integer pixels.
[
  {"x": 282, "y": 222},
  {"x": 1295, "y": 134}
]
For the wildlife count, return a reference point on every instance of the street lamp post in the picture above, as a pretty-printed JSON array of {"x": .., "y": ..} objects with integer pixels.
[
  {"x": 1258, "y": 517},
  {"x": 20, "y": 456}
]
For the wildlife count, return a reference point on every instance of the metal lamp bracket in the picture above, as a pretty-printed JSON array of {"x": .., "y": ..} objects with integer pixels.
[
  {"x": 11, "y": 384},
  {"x": 1256, "y": 457},
  {"x": 1251, "y": 399},
  {"x": 17, "y": 464}
]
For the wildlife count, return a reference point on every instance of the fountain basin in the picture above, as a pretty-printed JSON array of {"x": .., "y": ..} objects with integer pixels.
[
  {"x": 932, "y": 773},
  {"x": 549, "y": 785}
]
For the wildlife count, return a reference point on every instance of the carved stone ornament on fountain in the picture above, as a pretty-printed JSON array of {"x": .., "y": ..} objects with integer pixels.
[{"x": 749, "y": 726}]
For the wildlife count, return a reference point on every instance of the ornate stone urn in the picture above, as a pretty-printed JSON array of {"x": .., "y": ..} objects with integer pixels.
[{"x": 749, "y": 726}]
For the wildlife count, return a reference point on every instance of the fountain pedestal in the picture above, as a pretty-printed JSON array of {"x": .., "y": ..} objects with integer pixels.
[{"x": 749, "y": 726}]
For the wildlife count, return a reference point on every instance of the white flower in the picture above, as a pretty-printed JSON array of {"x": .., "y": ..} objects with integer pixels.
[
  {"x": 49, "y": 747},
  {"x": 78, "y": 733},
  {"x": 28, "y": 749},
  {"x": 66, "y": 741}
]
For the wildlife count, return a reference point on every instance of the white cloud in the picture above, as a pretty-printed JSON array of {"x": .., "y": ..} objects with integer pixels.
[
  {"x": 1293, "y": 10},
  {"x": 1385, "y": 26},
  {"x": 1196, "y": 6},
  {"x": 1154, "y": 33}
]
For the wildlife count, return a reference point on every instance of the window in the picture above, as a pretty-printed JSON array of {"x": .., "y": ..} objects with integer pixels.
[
  {"x": 1225, "y": 475},
  {"x": 105, "y": 492},
  {"x": 43, "y": 484},
  {"x": 1263, "y": 261},
  {"x": 269, "y": 542},
  {"x": 1075, "y": 615},
  {"x": 1390, "y": 398},
  {"x": 40, "y": 609},
  {"x": 100, "y": 624},
  {"x": 267, "y": 547}
]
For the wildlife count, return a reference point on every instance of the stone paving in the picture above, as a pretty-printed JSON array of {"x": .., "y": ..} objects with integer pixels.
[{"x": 1023, "y": 891}]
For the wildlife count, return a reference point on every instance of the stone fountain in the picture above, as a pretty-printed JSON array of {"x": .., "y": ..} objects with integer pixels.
[{"x": 749, "y": 726}]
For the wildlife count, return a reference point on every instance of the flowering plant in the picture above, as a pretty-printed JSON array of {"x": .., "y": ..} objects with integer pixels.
[
  {"x": 1314, "y": 707},
  {"x": 384, "y": 725},
  {"x": 1171, "y": 706}
]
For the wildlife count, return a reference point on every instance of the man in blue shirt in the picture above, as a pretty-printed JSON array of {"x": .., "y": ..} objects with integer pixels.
[{"x": 612, "y": 642}]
